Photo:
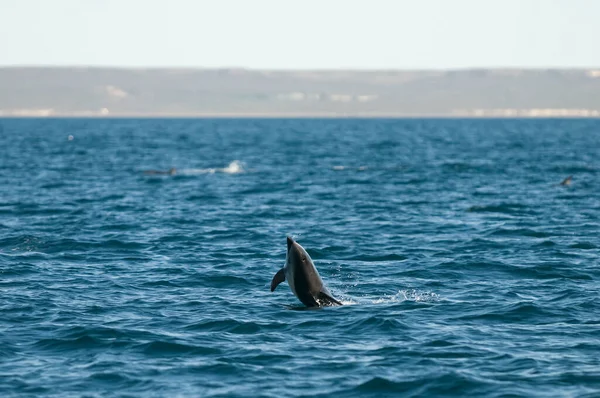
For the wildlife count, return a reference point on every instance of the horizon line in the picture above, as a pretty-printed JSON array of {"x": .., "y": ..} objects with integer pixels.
[{"x": 324, "y": 69}]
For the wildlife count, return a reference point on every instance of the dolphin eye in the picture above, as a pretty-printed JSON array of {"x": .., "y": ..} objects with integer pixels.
[{"x": 303, "y": 259}]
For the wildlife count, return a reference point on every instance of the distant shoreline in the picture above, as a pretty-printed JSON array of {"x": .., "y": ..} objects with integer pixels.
[{"x": 254, "y": 93}]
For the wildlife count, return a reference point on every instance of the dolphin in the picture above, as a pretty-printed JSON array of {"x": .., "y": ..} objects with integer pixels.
[
  {"x": 567, "y": 181},
  {"x": 172, "y": 171},
  {"x": 303, "y": 278}
]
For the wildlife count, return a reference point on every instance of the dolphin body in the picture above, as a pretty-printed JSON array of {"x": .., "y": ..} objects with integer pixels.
[
  {"x": 303, "y": 278},
  {"x": 172, "y": 171}
]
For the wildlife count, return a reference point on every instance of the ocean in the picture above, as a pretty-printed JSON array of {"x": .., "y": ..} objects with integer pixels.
[{"x": 465, "y": 267}]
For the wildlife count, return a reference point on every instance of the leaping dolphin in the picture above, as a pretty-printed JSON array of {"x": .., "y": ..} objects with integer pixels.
[{"x": 303, "y": 278}]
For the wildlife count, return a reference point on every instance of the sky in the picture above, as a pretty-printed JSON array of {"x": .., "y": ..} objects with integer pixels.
[{"x": 301, "y": 34}]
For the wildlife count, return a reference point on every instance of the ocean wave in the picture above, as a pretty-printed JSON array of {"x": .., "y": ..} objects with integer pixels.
[
  {"x": 167, "y": 348},
  {"x": 503, "y": 208},
  {"x": 31, "y": 245},
  {"x": 431, "y": 385}
]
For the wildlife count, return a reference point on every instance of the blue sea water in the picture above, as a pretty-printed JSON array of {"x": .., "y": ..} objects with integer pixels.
[{"x": 466, "y": 268}]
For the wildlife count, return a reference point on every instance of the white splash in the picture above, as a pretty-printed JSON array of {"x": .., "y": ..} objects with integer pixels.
[
  {"x": 340, "y": 168},
  {"x": 235, "y": 167},
  {"x": 408, "y": 295}
]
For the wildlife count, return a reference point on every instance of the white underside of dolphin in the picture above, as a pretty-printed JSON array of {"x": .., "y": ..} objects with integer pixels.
[{"x": 303, "y": 278}]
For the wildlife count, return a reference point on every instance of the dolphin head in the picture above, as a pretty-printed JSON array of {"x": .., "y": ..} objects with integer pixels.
[{"x": 297, "y": 259}]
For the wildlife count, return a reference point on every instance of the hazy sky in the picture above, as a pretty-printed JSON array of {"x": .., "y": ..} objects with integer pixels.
[{"x": 301, "y": 33}]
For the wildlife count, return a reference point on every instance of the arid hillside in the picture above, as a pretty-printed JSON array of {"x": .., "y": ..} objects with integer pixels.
[{"x": 49, "y": 91}]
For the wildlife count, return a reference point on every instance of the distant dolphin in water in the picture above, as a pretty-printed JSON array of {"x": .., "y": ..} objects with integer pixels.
[
  {"x": 171, "y": 171},
  {"x": 303, "y": 278},
  {"x": 567, "y": 181}
]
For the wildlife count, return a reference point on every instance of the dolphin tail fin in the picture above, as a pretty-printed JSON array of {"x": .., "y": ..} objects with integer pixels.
[
  {"x": 325, "y": 299},
  {"x": 277, "y": 279}
]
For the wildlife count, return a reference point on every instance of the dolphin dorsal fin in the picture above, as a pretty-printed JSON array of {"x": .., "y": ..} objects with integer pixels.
[{"x": 277, "y": 279}]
